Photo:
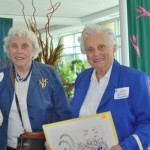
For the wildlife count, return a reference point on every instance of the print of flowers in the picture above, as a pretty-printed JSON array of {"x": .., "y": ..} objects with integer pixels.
[{"x": 43, "y": 82}]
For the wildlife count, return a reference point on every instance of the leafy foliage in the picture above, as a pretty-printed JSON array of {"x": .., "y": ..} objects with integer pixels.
[{"x": 69, "y": 73}]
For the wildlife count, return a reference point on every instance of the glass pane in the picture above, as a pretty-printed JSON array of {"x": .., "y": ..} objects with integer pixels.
[
  {"x": 66, "y": 60},
  {"x": 68, "y": 41},
  {"x": 81, "y": 57},
  {"x": 77, "y": 38},
  {"x": 118, "y": 55},
  {"x": 77, "y": 50},
  {"x": 110, "y": 25},
  {"x": 118, "y": 41},
  {"x": 67, "y": 51}
]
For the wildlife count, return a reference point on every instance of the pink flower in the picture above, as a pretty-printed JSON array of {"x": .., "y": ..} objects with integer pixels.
[{"x": 134, "y": 42}]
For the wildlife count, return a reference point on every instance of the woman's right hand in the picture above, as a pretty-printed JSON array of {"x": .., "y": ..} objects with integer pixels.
[{"x": 47, "y": 146}]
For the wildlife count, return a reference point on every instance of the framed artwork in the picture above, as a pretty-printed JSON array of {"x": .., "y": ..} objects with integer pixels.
[{"x": 95, "y": 132}]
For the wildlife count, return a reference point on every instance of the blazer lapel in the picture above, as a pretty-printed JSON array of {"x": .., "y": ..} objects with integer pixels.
[
  {"x": 82, "y": 86},
  {"x": 9, "y": 83},
  {"x": 108, "y": 94},
  {"x": 10, "y": 87},
  {"x": 35, "y": 76},
  {"x": 112, "y": 84}
]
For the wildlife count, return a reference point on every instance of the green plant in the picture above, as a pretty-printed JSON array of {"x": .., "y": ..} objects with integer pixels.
[
  {"x": 68, "y": 75},
  {"x": 67, "y": 78},
  {"x": 77, "y": 66}
]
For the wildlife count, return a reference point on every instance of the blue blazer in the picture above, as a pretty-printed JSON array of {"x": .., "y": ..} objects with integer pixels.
[
  {"x": 131, "y": 115},
  {"x": 45, "y": 105}
]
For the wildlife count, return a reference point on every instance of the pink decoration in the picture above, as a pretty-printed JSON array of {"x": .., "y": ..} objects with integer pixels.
[
  {"x": 135, "y": 45},
  {"x": 43, "y": 82},
  {"x": 142, "y": 12}
]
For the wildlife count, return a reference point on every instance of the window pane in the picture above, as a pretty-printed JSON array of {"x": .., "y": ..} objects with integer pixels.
[
  {"x": 68, "y": 41},
  {"x": 110, "y": 25},
  {"x": 66, "y": 60},
  {"x": 77, "y": 37},
  {"x": 81, "y": 57},
  {"x": 77, "y": 50},
  {"x": 67, "y": 51}
]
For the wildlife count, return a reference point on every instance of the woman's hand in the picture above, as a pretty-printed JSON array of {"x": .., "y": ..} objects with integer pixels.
[
  {"x": 116, "y": 147},
  {"x": 47, "y": 146}
]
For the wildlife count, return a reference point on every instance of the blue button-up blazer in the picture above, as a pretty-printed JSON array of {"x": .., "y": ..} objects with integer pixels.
[
  {"x": 45, "y": 105},
  {"x": 131, "y": 115}
]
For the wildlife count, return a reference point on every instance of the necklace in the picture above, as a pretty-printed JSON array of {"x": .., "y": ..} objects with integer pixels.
[{"x": 22, "y": 78}]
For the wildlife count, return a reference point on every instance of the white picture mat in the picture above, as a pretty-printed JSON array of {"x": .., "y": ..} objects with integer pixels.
[{"x": 76, "y": 134}]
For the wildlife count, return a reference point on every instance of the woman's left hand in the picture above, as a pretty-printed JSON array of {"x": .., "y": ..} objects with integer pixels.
[
  {"x": 116, "y": 147},
  {"x": 47, "y": 146}
]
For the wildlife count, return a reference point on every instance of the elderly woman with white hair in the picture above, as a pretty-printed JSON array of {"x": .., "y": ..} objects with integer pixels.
[
  {"x": 37, "y": 87},
  {"x": 109, "y": 86}
]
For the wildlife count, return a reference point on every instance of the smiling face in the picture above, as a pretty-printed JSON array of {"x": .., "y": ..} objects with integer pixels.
[
  {"x": 20, "y": 52},
  {"x": 100, "y": 51}
]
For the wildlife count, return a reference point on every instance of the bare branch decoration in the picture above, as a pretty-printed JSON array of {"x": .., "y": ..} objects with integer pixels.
[{"x": 49, "y": 55}]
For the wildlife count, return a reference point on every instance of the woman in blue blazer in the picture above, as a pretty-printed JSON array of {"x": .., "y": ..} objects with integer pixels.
[
  {"x": 109, "y": 86},
  {"x": 38, "y": 87}
]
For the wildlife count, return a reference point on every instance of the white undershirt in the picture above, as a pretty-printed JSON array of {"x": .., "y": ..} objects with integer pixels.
[
  {"x": 14, "y": 123},
  {"x": 94, "y": 94}
]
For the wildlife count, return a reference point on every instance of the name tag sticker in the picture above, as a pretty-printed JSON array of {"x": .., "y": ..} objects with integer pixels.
[{"x": 121, "y": 93}]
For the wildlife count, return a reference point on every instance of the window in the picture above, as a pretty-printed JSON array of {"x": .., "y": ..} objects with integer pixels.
[
  {"x": 115, "y": 26},
  {"x": 72, "y": 49},
  {"x": 72, "y": 46},
  {"x": 73, "y": 61}
]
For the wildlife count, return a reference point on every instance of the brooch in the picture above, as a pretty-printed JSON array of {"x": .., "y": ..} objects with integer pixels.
[{"x": 43, "y": 82}]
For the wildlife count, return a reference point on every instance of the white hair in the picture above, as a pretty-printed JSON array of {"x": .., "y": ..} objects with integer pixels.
[
  {"x": 94, "y": 28},
  {"x": 22, "y": 32}
]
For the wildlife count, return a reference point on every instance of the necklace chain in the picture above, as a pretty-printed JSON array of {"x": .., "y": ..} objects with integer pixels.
[{"x": 22, "y": 78}]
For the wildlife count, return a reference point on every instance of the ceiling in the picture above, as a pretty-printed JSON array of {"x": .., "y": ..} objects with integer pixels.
[{"x": 69, "y": 14}]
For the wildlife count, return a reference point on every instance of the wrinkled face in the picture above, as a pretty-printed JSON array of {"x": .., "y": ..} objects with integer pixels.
[
  {"x": 99, "y": 51},
  {"x": 20, "y": 51}
]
